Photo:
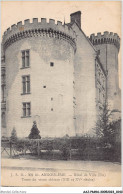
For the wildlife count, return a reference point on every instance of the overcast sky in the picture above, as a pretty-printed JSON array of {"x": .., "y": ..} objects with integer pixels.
[{"x": 96, "y": 16}]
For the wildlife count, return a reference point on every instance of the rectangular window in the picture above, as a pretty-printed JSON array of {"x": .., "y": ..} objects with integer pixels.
[
  {"x": 26, "y": 84},
  {"x": 26, "y": 109},
  {"x": 51, "y": 64},
  {"x": 25, "y": 58}
]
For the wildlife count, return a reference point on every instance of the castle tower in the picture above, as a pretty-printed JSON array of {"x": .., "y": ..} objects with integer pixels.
[
  {"x": 52, "y": 74},
  {"x": 3, "y": 94},
  {"x": 108, "y": 45},
  {"x": 39, "y": 68}
]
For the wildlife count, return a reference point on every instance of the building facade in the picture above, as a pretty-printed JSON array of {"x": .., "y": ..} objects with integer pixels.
[{"x": 54, "y": 74}]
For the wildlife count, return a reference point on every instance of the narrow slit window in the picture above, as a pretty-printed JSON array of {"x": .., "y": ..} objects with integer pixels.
[{"x": 51, "y": 64}]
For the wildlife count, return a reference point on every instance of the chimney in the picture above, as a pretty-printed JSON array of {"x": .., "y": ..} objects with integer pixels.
[{"x": 76, "y": 17}]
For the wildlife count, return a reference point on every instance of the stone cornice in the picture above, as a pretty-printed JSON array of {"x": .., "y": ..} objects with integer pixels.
[
  {"x": 37, "y": 28},
  {"x": 105, "y": 38},
  {"x": 39, "y": 32}
]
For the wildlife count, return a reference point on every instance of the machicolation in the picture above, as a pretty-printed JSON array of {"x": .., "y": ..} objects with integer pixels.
[
  {"x": 58, "y": 77},
  {"x": 106, "y": 38},
  {"x": 43, "y": 28}
]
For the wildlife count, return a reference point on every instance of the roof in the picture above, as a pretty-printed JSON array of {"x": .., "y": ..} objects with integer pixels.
[{"x": 70, "y": 26}]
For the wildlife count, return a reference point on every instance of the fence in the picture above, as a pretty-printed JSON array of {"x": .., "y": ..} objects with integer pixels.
[{"x": 64, "y": 149}]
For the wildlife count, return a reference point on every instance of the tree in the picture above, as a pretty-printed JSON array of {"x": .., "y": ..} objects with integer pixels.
[
  {"x": 115, "y": 129},
  {"x": 13, "y": 137},
  {"x": 105, "y": 126},
  {"x": 34, "y": 134}
]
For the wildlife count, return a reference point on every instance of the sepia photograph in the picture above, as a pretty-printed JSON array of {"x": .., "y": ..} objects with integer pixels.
[{"x": 61, "y": 94}]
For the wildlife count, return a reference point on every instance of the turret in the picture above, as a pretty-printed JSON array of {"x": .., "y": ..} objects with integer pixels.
[
  {"x": 109, "y": 44},
  {"x": 39, "y": 57},
  {"x": 105, "y": 38},
  {"x": 38, "y": 28},
  {"x": 3, "y": 93}
]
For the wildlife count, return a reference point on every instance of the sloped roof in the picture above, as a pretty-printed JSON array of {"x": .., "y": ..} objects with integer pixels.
[{"x": 70, "y": 26}]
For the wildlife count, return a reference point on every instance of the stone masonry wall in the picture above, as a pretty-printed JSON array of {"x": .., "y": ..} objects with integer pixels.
[
  {"x": 58, "y": 80},
  {"x": 85, "y": 89}
]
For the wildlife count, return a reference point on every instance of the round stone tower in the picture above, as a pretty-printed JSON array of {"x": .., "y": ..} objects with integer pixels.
[
  {"x": 39, "y": 77},
  {"x": 108, "y": 45},
  {"x": 3, "y": 92}
]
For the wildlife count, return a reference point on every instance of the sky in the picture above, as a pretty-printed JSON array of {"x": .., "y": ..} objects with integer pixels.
[{"x": 97, "y": 16}]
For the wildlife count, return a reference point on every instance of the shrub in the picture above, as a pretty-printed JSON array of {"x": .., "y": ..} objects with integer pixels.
[
  {"x": 13, "y": 137},
  {"x": 34, "y": 134}
]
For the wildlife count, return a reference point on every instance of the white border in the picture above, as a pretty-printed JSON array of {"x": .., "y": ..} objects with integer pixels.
[{"x": 63, "y": 189}]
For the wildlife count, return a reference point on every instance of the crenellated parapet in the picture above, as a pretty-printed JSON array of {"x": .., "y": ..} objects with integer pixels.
[
  {"x": 105, "y": 38},
  {"x": 43, "y": 28}
]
